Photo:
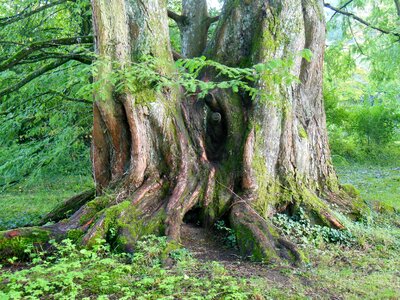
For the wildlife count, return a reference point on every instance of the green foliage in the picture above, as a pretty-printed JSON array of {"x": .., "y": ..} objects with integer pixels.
[
  {"x": 361, "y": 83},
  {"x": 300, "y": 229},
  {"x": 150, "y": 73},
  {"x": 276, "y": 71},
  {"x": 227, "y": 234},
  {"x": 377, "y": 124},
  {"x": 69, "y": 272},
  {"x": 44, "y": 128}
]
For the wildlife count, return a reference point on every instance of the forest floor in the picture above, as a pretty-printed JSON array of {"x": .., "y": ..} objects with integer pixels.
[
  {"x": 210, "y": 268},
  {"x": 207, "y": 246}
]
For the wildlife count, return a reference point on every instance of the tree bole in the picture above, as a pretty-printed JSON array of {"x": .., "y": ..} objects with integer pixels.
[{"x": 164, "y": 153}]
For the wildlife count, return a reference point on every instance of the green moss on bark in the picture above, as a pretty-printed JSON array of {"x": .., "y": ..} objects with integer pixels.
[{"x": 14, "y": 242}]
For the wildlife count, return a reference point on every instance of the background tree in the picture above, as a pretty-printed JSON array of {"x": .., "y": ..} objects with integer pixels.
[
  {"x": 46, "y": 51},
  {"x": 361, "y": 87}
]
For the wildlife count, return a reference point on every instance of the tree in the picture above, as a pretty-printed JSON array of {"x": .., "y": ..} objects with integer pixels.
[
  {"x": 45, "y": 123},
  {"x": 159, "y": 155}
]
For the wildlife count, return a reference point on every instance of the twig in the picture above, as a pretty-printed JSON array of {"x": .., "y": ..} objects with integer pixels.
[{"x": 362, "y": 21}]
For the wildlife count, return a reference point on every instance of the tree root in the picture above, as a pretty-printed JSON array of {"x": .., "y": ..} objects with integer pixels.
[
  {"x": 68, "y": 207},
  {"x": 258, "y": 239},
  {"x": 13, "y": 243}
]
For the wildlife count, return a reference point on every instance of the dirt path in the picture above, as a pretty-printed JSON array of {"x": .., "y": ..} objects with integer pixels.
[{"x": 205, "y": 247}]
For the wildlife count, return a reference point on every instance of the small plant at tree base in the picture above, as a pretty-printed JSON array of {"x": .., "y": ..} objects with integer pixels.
[
  {"x": 302, "y": 231},
  {"x": 228, "y": 234}
]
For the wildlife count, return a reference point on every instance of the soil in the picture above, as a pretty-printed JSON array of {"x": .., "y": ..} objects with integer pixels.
[{"x": 208, "y": 246}]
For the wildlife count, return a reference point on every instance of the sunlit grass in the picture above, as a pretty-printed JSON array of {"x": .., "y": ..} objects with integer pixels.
[
  {"x": 375, "y": 183},
  {"x": 27, "y": 202}
]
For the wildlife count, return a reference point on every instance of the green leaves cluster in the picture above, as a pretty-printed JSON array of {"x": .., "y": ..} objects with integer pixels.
[
  {"x": 196, "y": 75},
  {"x": 237, "y": 79},
  {"x": 300, "y": 230}
]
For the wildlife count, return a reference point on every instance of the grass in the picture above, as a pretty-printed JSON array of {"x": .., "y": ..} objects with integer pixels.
[
  {"x": 366, "y": 267},
  {"x": 381, "y": 184},
  {"x": 27, "y": 202}
]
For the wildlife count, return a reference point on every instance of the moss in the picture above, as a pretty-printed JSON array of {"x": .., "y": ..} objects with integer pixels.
[
  {"x": 351, "y": 190},
  {"x": 122, "y": 225},
  {"x": 359, "y": 208},
  {"x": 302, "y": 132},
  {"x": 75, "y": 235},
  {"x": 383, "y": 208},
  {"x": 132, "y": 226},
  {"x": 14, "y": 242},
  {"x": 250, "y": 247},
  {"x": 95, "y": 206},
  {"x": 269, "y": 190}
]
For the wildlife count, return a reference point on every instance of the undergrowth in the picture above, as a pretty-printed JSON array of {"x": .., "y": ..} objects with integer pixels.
[
  {"x": 152, "y": 272},
  {"x": 361, "y": 262},
  {"x": 226, "y": 234},
  {"x": 300, "y": 230}
]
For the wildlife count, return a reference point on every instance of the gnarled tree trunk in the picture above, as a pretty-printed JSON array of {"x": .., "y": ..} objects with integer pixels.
[{"x": 158, "y": 155}]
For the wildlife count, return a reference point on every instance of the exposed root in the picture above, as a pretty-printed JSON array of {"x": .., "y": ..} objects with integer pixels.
[
  {"x": 333, "y": 221},
  {"x": 68, "y": 207},
  {"x": 13, "y": 243},
  {"x": 96, "y": 231},
  {"x": 149, "y": 187},
  {"x": 258, "y": 238},
  {"x": 210, "y": 186}
]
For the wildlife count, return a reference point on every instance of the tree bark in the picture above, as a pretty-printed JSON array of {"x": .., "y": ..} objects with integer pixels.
[
  {"x": 397, "y": 3},
  {"x": 158, "y": 155},
  {"x": 195, "y": 28},
  {"x": 193, "y": 25}
]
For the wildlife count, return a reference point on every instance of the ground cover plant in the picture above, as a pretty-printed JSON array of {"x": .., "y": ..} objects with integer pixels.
[{"x": 359, "y": 263}]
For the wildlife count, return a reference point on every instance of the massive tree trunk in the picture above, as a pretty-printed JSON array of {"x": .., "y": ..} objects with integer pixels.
[{"x": 158, "y": 156}]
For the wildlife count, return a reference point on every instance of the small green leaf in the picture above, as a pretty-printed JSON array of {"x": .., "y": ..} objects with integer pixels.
[{"x": 306, "y": 54}]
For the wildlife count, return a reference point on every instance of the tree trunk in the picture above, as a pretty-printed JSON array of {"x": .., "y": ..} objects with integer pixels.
[
  {"x": 397, "y": 3},
  {"x": 158, "y": 155},
  {"x": 193, "y": 25}
]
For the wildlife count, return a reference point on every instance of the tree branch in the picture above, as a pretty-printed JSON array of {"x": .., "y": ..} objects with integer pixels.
[
  {"x": 353, "y": 16},
  {"x": 213, "y": 19},
  {"x": 69, "y": 98},
  {"x": 85, "y": 59},
  {"x": 33, "y": 75},
  {"x": 25, "y": 51},
  {"x": 343, "y": 6},
  {"x": 177, "y": 18},
  {"x": 36, "y": 96},
  {"x": 24, "y": 14},
  {"x": 354, "y": 37}
]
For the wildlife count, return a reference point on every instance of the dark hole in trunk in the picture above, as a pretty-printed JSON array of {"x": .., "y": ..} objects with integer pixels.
[
  {"x": 289, "y": 209},
  {"x": 194, "y": 217},
  {"x": 216, "y": 133}
]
